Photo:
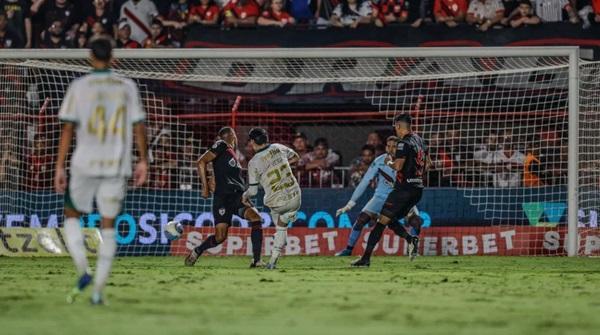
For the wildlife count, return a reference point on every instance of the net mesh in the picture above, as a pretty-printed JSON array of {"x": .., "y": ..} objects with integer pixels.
[{"x": 497, "y": 129}]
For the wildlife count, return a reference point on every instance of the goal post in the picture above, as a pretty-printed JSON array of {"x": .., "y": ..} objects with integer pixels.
[{"x": 516, "y": 91}]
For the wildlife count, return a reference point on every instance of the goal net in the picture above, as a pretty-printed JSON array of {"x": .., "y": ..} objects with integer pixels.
[{"x": 501, "y": 125}]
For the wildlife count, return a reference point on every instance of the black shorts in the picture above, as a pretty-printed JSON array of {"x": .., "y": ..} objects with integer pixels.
[
  {"x": 226, "y": 205},
  {"x": 399, "y": 202}
]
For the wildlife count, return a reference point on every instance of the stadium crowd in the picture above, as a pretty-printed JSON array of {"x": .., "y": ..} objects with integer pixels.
[{"x": 164, "y": 23}]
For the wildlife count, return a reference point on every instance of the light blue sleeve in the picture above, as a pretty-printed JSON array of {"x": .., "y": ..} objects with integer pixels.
[{"x": 366, "y": 179}]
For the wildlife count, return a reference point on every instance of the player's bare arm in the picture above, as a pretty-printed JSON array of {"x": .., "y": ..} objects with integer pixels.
[
  {"x": 140, "y": 173},
  {"x": 206, "y": 158},
  {"x": 60, "y": 177}
]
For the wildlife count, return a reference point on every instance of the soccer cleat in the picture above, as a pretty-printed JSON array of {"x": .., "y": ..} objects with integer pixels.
[
  {"x": 97, "y": 300},
  {"x": 257, "y": 264},
  {"x": 345, "y": 252},
  {"x": 361, "y": 262},
  {"x": 413, "y": 247},
  {"x": 271, "y": 266},
  {"x": 82, "y": 283},
  {"x": 191, "y": 258}
]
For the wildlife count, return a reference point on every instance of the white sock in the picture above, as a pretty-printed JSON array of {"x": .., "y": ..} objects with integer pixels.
[
  {"x": 74, "y": 240},
  {"x": 278, "y": 243},
  {"x": 106, "y": 253}
]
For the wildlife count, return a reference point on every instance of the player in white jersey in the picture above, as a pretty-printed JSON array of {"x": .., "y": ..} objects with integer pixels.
[
  {"x": 270, "y": 167},
  {"x": 105, "y": 111}
]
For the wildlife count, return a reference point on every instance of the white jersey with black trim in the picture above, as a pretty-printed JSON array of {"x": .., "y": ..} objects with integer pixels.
[
  {"x": 104, "y": 107},
  {"x": 270, "y": 168}
]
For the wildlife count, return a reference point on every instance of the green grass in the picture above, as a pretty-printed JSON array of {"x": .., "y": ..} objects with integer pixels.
[{"x": 309, "y": 295}]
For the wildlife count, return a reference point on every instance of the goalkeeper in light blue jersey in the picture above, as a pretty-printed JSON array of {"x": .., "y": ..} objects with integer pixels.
[{"x": 385, "y": 176}]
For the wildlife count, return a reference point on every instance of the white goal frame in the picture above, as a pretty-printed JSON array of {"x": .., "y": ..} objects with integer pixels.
[{"x": 571, "y": 52}]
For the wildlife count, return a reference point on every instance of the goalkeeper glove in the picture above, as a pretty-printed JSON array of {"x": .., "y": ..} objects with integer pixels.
[{"x": 346, "y": 208}]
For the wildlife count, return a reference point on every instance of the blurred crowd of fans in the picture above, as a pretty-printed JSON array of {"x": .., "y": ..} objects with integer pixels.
[{"x": 164, "y": 23}]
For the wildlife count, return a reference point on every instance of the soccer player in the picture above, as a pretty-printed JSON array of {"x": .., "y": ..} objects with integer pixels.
[
  {"x": 105, "y": 111},
  {"x": 385, "y": 181},
  {"x": 270, "y": 167},
  {"x": 227, "y": 200},
  {"x": 409, "y": 163}
]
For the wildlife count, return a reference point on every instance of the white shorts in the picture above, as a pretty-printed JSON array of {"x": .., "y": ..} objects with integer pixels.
[
  {"x": 109, "y": 193},
  {"x": 287, "y": 212}
]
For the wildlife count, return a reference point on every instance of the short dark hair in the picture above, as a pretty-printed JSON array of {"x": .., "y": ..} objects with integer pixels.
[
  {"x": 258, "y": 135},
  {"x": 321, "y": 141},
  {"x": 404, "y": 117},
  {"x": 101, "y": 49},
  {"x": 525, "y": 2},
  {"x": 224, "y": 131},
  {"x": 368, "y": 147}
]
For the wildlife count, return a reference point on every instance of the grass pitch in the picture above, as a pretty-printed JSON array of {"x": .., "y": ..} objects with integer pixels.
[{"x": 309, "y": 295}]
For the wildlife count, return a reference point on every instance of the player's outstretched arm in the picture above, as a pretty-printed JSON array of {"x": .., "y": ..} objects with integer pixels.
[
  {"x": 359, "y": 190},
  {"x": 206, "y": 158},
  {"x": 141, "y": 169},
  {"x": 60, "y": 176}
]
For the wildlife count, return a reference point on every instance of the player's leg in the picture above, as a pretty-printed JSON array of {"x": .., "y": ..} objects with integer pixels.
[
  {"x": 81, "y": 189},
  {"x": 408, "y": 202},
  {"x": 362, "y": 219},
  {"x": 256, "y": 234},
  {"x": 109, "y": 198},
  {"x": 413, "y": 220},
  {"x": 282, "y": 217},
  {"x": 222, "y": 216}
]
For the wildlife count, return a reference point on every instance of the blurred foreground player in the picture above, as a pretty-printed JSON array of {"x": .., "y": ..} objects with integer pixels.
[
  {"x": 409, "y": 164},
  {"x": 227, "y": 200},
  {"x": 384, "y": 174},
  {"x": 105, "y": 111},
  {"x": 270, "y": 167}
]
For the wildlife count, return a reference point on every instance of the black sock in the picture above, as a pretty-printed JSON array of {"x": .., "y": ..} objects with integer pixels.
[
  {"x": 210, "y": 242},
  {"x": 399, "y": 230},
  {"x": 256, "y": 236},
  {"x": 374, "y": 237}
]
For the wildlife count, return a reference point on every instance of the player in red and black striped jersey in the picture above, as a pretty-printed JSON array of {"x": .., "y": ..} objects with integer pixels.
[
  {"x": 227, "y": 199},
  {"x": 275, "y": 16},
  {"x": 410, "y": 164}
]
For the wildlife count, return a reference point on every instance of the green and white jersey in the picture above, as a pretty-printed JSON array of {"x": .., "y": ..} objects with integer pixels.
[
  {"x": 104, "y": 108},
  {"x": 270, "y": 168}
]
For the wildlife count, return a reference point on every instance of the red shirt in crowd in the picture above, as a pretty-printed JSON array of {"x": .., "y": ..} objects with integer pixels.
[
  {"x": 205, "y": 12},
  {"x": 449, "y": 8},
  {"x": 241, "y": 10},
  {"x": 396, "y": 7},
  {"x": 280, "y": 17}
]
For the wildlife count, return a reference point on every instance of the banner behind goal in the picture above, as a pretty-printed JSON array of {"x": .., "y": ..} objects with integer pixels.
[{"x": 514, "y": 129}]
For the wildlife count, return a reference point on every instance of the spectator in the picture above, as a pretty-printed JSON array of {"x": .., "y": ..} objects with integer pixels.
[
  {"x": 8, "y": 38},
  {"x": 441, "y": 164},
  {"x": 483, "y": 158},
  {"x": 589, "y": 10},
  {"x": 309, "y": 11},
  {"x": 139, "y": 14},
  {"x": 359, "y": 166},
  {"x": 99, "y": 15},
  {"x": 177, "y": 19},
  {"x": 164, "y": 164},
  {"x": 509, "y": 166},
  {"x": 187, "y": 176},
  {"x": 523, "y": 15},
  {"x": 450, "y": 12},
  {"x": 389, "y": 11},
  {"x": 54, "y": 37},
  {"x": 241, "y": 13},
  {"x": 39, "y": 165},
  {"x": 58, "y": 10},
  {"x": 275, "y": 16},
  {"x": 352, "y": 13},
  {"x": 159, "y": 38},
  {"x": 555, "y": 10},
  {"x": 19, "y": 19},
  {"x": 300, "y": 144},
  {"x": 205, "y": 13},
  {"x": 319, "y": 164},
  {"x": 374, "y": 139},
  {"x": 123, "y": 37},
  {"x": 485, "y": 13},
  {"x": 532, "y": 168}
]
